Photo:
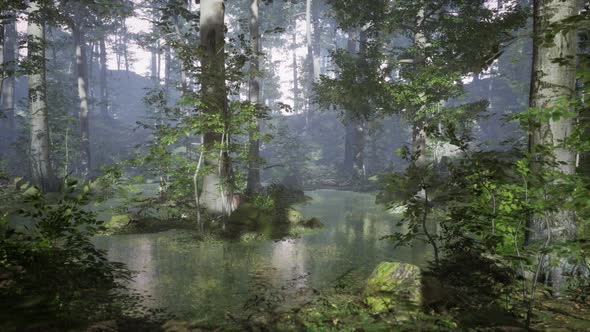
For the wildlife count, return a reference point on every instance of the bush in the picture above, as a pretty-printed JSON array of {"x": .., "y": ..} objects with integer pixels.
[{"x": 51, "y": 275}]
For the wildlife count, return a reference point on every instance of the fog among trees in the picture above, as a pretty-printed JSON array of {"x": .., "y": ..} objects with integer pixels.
[{"x": 284, "y": 165}]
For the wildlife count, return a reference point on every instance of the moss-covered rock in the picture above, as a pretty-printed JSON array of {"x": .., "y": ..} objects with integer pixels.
[
  {"x": 294, "y": 216},
  {"x": 394, "y": 286},
  {"x": 117, "y": 222},
  {"x": 247, "y": 214},
  {"x": 312, "y": 222}
]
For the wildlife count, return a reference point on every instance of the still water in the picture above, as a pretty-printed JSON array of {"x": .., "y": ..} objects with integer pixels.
[{"x": 204, "y": 280}]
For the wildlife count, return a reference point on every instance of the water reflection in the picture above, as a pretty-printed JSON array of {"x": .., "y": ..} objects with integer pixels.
[{"x": 205, "y": 280}]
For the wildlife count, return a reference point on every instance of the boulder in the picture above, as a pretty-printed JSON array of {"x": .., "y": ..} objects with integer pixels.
[
  {"x": 294, "y": 216},
  {"x": 394, "y": 286}
]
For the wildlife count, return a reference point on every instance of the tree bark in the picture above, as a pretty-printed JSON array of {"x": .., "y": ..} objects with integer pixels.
[
  {"x": 419, "y": 138},
  {"x": 553, "y": 81},
  {"x": 253, "y": 181},
  {"x": 316, "y": 43},
  {"x": 354, "y": 139},
  {"x": 155, "y": 70},
  {"x": 41, "y": 170},
  {"x": 7, "y": 104},
  {"x": 125, "y": 50},
  {"x": 104, "y": 89},
  {"x": 82, "y": 78},
  {"x": 295, "y": 76},
  {"x": 308, "y": 60},
  {"x": 216, "y": 195}
]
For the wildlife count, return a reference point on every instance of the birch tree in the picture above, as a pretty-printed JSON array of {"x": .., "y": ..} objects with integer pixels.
[
  {"x": 83, "y": 115},
  {"x": 253, "y": 181},
  {"x": 553, "y": 86},
  {"x": 216, "y": 194},
  {"x": 41, "y": 170},
  {"x": 9, "y": 44}
]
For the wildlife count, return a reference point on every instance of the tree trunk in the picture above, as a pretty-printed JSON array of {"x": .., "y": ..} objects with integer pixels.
[
  {"x": 253, "y": 181},
  {"x": 7, "y": 104},
  {"x": 419, "y": 138},
  {"x": 308, "y": 61},
  {"x": 168, "y": 67},
  {"x": 104, "y": 89},
  {"x": 41, "y": 170},
  {"x": 354, "y": 139},
  {"x": 183, "y": 74},
  {"x": 551, "y": 82},
  {"x": 295, "y": 78},
  {"x": 419, "y": 143},
  {"x": 82, "y": 77},
  {"x": 216, "y": 195},
  {"x": 317, "y": 36},
  {"x": 155, "y": 71},
  {"x": 349, "y": 126},
  {"x": 125, "y": 50},
  {"x": 90, "y": 55}
]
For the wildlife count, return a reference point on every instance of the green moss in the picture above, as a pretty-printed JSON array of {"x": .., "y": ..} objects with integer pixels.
[
  {"x": 117, "y": 221},
  {"x": 294, "y": 216},
  {"x": 394, "y": 286}
]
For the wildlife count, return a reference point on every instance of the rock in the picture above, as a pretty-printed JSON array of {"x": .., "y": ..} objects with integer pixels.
[
  {"x": 247, "y": 214},
  {"x": 312, "y": 222},
  {"x": 106, "y": 326},
  {"x": 294, "y": 216},
  {"x": 395, "y": 286},
  {"x": 182, "y": 326}
]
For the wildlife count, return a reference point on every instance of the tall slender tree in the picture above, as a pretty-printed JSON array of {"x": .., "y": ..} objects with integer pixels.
[
  {"x": 103, "y": 81},
  {"x": 353, "y": 165},
  {"x": 41, "y": 170},
  {"x": 7, "y": 101},
  {"x": 253, "y": 181},
  {"x": 84, "y": 112},
  {"x": 553, "y": 82},
  {"x": 216, "y": 195},
  {"x": 295, "y": 67},
  {"x": 419, "y": 145}
]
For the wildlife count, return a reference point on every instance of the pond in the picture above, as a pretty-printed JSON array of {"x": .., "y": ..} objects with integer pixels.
[{"x": 204, "y": 280}]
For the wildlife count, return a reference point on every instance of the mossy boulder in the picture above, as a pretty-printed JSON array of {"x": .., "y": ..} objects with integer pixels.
[
  {"x": 312, "y": 222},
  {"x": 294, "y": 216},
  {"x": 394, "y": 286},
  {"x": 247, "y": 214},
  {"x": 118, "y": 221}
]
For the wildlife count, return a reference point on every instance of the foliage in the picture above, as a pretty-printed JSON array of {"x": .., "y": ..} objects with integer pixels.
[{"x": 52, "y": 275}]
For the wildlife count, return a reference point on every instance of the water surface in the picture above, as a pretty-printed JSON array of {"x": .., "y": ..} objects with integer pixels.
[{"x": 204, "y": 280}]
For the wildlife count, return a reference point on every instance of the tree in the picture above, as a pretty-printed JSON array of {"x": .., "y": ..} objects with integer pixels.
[
  {"x": 103, "y": 82},
  {"x": 253, "y": 181},
  {"x": 82, "y": 79},
  {"x": 8, "y": 45},
  {"x": 41, "y": 169},
  {"x": 553, "y": 87},
  {"x": 216, "y": 194},
  {"x": 353, "y": 165}
]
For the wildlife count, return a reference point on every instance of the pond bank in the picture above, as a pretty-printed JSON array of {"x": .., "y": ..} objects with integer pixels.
[{"x": 205, "y": 280}]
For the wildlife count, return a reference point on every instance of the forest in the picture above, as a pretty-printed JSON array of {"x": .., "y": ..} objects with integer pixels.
[{"x": 294, "y": 165}]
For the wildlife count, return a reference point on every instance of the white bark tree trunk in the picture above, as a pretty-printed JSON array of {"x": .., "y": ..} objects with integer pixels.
[
  {"x": 7, "y": 104},
  {"x": 354, "y": 140},
  {"x": 295, "y": 68},
  {"x": 316, "y": 43},
  {"x": 253, "y": 181},
  {"x": 41, "y": 170},
  {"x": 216, "y": 195},
  {"x": 552, "y": 81},
  {"x": 419, "y": 138},
  {"x": 82, "y": 78},
  {"x": 104, "y": 89}
]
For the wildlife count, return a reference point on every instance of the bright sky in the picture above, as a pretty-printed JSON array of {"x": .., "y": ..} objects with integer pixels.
[{"x": 141, "y": 66}]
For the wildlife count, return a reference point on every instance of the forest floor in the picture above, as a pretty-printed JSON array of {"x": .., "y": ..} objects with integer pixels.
[{"x": 562, "y": 315}]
